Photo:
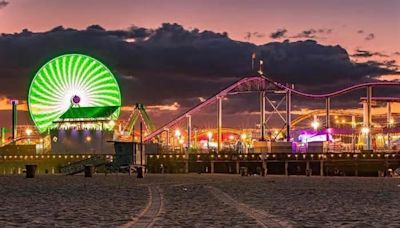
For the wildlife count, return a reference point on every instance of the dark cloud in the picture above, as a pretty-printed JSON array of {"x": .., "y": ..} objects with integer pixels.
[
  {"x": 313, "y": 33},
  {"x": 309, "y": 63},
  {"x": 360, "y": 31},
  {"x": 250, "y": 35},
  {"x": 388, "y": 64},
  {"x": 280, "y": 33},
  {"x": 367, "y": 54},
  {"x": 172, "y": 64},
  {"x": 370, "y": 36},
  {"x": 3, "y": 4}
]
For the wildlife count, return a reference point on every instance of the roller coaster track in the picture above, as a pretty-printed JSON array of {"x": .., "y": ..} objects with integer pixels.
[{"x": 260, "y": 82}]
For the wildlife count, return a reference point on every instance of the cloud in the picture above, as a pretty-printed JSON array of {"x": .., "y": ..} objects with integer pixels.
[
  {"x": 360, "y": 31},
  {"x": 250, "y": 35},
  {"x": 313, "y": 33},
  {"x": 171, "y": 107},
  {"x": 359, "y": 53},
  {"x": 309, "y": 63},
  {"x": 370, "y": 36},
  {"x": 278, "y": 34},
  {"x": 3, "y": 4}
]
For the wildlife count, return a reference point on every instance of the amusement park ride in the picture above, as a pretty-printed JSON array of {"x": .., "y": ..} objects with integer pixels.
[{"x": 75, "y": 101}]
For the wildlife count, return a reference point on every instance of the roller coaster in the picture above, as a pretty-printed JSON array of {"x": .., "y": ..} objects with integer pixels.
[{"x": 266, "y": 87}]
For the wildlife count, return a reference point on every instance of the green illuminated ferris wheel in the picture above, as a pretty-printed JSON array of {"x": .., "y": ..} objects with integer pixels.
[{"x": 71, "y": 80}]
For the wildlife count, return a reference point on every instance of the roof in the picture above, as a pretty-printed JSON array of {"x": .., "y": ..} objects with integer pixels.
[{"x": 89, "y": 112}]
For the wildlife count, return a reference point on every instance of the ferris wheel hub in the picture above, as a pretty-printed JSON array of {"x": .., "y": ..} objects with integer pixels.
[{"x": 75, "y": 99}]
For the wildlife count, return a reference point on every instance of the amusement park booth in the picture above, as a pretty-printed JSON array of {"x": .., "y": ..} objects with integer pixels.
[{"x": 84, "y": 130}]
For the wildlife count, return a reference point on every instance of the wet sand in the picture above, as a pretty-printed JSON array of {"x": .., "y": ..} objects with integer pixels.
[{"x": 194, "y": 200}]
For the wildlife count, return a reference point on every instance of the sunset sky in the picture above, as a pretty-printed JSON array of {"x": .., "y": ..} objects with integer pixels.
[
  {"x": 368, "y": 30},
  {"x": 345, "y": 18}
]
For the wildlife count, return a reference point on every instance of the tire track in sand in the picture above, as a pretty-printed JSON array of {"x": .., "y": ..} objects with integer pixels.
[
  {"x": 263, "y": 218},
  {"x": 152, "y": 210}
]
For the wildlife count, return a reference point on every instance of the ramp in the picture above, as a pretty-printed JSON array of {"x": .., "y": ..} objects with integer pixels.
[{"x": 79, "y": 166}]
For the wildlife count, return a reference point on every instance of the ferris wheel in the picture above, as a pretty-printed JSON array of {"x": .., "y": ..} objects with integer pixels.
[{"x": 71, "y": 80}]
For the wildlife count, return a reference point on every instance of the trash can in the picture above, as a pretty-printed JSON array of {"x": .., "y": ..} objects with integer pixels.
[
  {"x": 139, "y": 172},
  {"x": 89, "y": 170},
  {"x": 243, "y": 171},
  {"x": 30, "y": 171}
]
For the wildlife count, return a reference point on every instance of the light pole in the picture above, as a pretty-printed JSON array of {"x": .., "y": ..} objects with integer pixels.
[
  {"x": 28, "y": 132},
  {"x": 209, "y": 137}
]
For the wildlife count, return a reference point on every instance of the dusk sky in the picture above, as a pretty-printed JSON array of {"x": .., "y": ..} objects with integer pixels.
[
  {"x": 237, "y": 17},
  {"x": 353, "y": 41}
]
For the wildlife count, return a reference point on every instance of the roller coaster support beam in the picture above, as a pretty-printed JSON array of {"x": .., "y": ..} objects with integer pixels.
[
  {"x": 262, "y": 116},
  {"x": 327, "y": 116},
  {"x": 219, "y": 100},
  {"x": 189, "y": 131},
  {"x": 167, "y": 137},
  {"x": 369, "y": 116},
  {"x": 389, "y": 123},
  {"x": 288, "y": 111}
]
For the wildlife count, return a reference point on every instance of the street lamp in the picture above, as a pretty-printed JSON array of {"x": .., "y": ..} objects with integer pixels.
[
  {"x": 178, "y": 133},
  {"x": 365, "y": 130},
  {"x": 315, "y": 124},
  {"x": 209, "y": 137},
  {"x": 28, "y": 132},
  {"x": 111, "y": 123}
]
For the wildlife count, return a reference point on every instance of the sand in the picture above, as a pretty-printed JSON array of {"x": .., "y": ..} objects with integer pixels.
[{"x": 198, "y": 201}]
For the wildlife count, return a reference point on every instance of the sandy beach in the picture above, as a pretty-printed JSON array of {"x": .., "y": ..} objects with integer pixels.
[{"x": 193, "y": 200}]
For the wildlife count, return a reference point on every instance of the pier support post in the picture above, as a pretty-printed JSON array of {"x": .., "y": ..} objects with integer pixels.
[
  {"x": 219, "y": 124},
  {"x": 356, "y": 169},
  {"x": 321, "y": 168},
  {"x": 187, "y": 165},
  {"x": 237, "y": 167},
  {"x": 212, "y": 166},
  {"x": 307, "y": 165},
  {"x": 286, "y": 168}
]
